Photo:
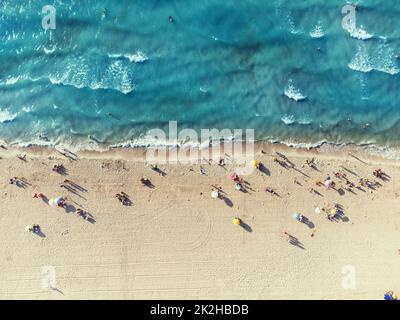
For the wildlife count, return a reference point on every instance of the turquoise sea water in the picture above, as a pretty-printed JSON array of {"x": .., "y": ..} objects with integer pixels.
[{"x": 106, "y": 77}]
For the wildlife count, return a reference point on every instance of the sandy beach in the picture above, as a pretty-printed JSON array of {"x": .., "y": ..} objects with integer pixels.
[{"x": 175, "y": 242}]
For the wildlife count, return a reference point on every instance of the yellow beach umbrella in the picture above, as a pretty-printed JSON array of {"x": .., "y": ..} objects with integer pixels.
[
  {"x": 237, "y": 221},
  {"x": 254, "y": 163}
]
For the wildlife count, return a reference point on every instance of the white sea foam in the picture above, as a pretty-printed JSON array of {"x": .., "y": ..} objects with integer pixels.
[
  {"x": 290, "y": 119},
  {"x": 78, "y": 72},
  {"x": 293, "y": 93},
  {"x": 7, "y": 116},
  {"x": 291, "y": 25},
  {"x": 317, "y": 31},
  {"x": 117, "y": 76},
  {"x": 75, "y": 145},
  {"x": 49, "y": 50},
  {"x": 12, "y": 80},
  {"x": 383, "y": 60},
  {"x": 360, "y": 33},
  {"x": 28, "y": 109},
  {"x": 361, "y": 61},
  {"x": 137, "y": 57}
]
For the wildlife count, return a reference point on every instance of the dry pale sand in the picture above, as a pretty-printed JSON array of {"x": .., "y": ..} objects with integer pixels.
[{"x": 175, "y": 242}]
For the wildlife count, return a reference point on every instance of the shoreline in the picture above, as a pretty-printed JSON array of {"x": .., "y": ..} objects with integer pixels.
[{"x": 368, "y": 152}]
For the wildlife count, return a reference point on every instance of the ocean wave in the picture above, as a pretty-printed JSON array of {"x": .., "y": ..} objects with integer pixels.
[
  {"x": 7, "y": 116},
  {"x": 84, "y": 72},
  {"x": 137, "y": 57},
  {"x": 291, "y": 25},
  {"x": 291, "y": 119},
  {"x": 80, "y": 74},
  {"x": 11, "y": 80},
  {"x": 288, "y": 119},
  {"x": 77, "y": 145},
  {"x": 361, "y": 61},
  {"x": 317, "y": 31},
  {"x": 49, "y": 50},
  {"x": 293, "y": 93},
  {"x": 360, "y": 33},
  {"x": 384, "y": 60}
]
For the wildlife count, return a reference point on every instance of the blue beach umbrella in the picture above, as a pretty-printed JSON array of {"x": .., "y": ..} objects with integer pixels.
[{"x": 388, "y": 296}]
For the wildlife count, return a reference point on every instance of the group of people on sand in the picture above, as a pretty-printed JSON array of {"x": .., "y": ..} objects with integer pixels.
[
  {"x": 58, "y": 168},
  {"x": 310, "y": 162},
  {"x": 330, "y": 211},
  {"x": 34, "y": 228},
  {"x": 281, "y": 162},
  {"x": 271, "y": 191},
  {"x": 349, "y": 185},
  {"x": 238, "y": 181},
  {"x": 145, "y": 181},
  {"x": 62, "y": 203},
  {"x": 123, "y": 198},
  {"x": 14, "y": 180},
  {"x": 80, "y": 213},
  {"x": 378, "y": 173}
]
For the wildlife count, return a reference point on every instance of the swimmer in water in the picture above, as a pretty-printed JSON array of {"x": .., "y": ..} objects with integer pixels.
[{"x": 171, "y": 19}]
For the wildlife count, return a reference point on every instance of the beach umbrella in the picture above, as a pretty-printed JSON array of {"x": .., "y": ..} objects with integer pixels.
[
  {"x": 233, "y": 176},
  {"x": 254, "y": 163},
  {"x": 328, "y": 183},
  {"x": 238, "y": 186},
  {"x": 27, "y": 228},
  {"x": 236, "y": 221},
  {"x": 55, "y": 202},
  {"x": 214, "y": 194},
  {"x": 317, "y": 210},
  {"x": 388, "y": 296}
]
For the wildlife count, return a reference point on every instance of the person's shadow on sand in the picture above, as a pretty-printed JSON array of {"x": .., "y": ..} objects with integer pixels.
[
  {"x": 39, "y": 233},
  {"x": 69, "y": 208},
  {"x": 308, "y": 222},
  {"x": 227, "y": 201},
  {"x": 45, "y": 200},
  {"x": 246, "y": 227},
  {"x": 264, "y": 170},
  {"x": 295, "y": 242}
]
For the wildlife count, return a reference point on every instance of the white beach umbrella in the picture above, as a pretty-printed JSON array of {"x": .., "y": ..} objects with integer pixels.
[
  {"x": 328, "y": 183},
  {"x": 55, "y": 202},
  {"x": 214, "y": 194},
  {"x": 296, "y": 216}
]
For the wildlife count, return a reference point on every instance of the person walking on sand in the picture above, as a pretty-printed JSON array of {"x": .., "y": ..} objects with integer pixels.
[{"x": 35, "y": 228}]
